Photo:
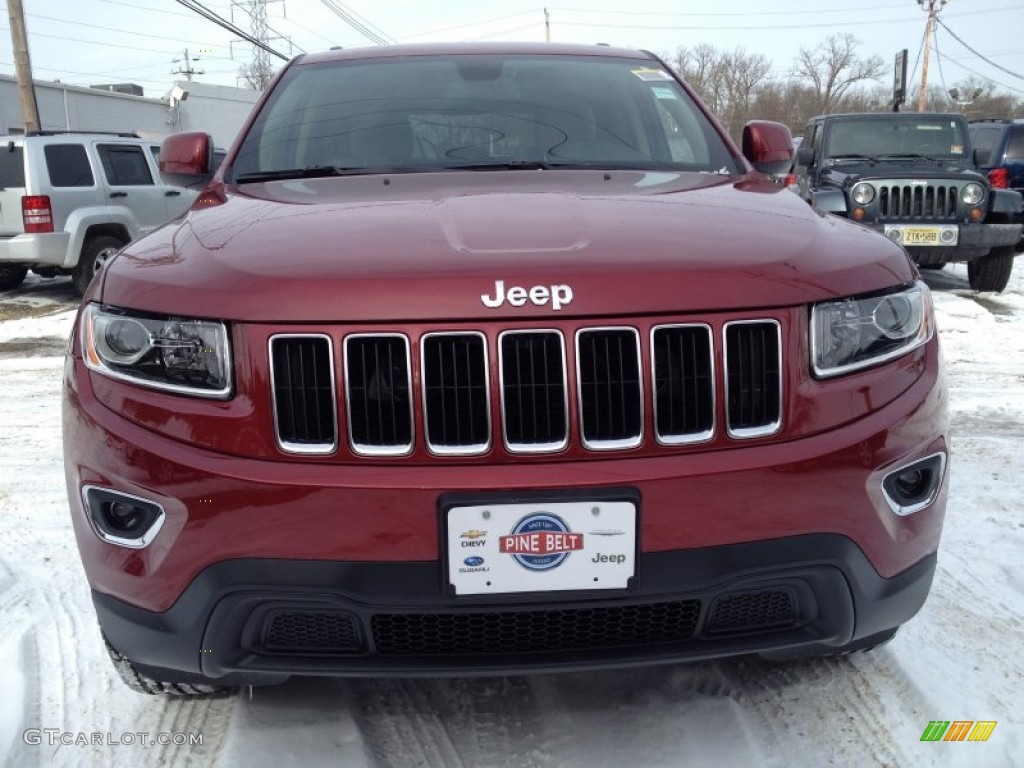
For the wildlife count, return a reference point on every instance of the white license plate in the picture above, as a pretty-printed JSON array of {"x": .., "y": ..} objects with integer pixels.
[
  {"x": 541, "y": 547},
  {"x": 921, "y": 235}
]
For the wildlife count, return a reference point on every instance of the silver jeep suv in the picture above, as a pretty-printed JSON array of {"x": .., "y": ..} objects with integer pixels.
[{"x": 70, "y": 201}]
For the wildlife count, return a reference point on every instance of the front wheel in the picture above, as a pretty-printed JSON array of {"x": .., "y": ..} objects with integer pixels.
[
  {"x": 11, "y": 276},
  {"x": 141, "y": 683},
  {"x": 992, "y": 272},
  {"x": 96, "y": 252}
]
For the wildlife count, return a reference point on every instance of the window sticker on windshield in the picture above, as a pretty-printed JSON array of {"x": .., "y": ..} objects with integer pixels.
[
  {"x": 661, "y": 92},
  {"x": 929, "y": 127},
  {"x": 956, "y": 149},
  {"x": 652, "y": 74}
]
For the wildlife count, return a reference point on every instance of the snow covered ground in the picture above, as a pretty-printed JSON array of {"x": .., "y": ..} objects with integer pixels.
[{"x": 961, "y": 658}]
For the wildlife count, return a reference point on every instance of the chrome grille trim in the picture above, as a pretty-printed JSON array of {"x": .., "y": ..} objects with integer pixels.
[
  {"x": 548, "y": 446},
  {"x": 401, "y": 418},
  {"x": 612, "y": 387},
  {"x": 685, "y": 437},
  {"x": 769, "y": 427},
  {"x": 293, "y": 446},
  {"x": 444, "y": 449}
]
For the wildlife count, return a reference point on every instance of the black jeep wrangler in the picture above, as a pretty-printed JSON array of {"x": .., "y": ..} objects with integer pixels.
[{"x": 913, "y": 176}]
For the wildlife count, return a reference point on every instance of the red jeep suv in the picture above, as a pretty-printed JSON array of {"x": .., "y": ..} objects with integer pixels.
[{"x": 499, "y": 358}]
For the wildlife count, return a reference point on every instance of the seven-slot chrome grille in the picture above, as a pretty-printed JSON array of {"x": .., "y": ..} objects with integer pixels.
[
  {"x": 535, "y": 399},
  {"x": 902, "y": 200}
]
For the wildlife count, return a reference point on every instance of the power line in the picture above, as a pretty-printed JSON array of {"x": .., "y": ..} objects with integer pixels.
[
  {"x": 471, "y": 24},
  {"x": 131, "y": 32},
  {"x": 858, "y": 9},
  {"x": 206, "y": 13},
  {"x": 358, "y": 23},
  {"x": 980, "y": 56}
]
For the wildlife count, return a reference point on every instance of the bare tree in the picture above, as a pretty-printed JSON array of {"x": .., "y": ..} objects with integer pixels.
[
  {"x": 834, "y": 66},
  {"x": 742, "y": 74},
  {"x": 702, "y": 67},
  {"x": 255, "y": 75}
]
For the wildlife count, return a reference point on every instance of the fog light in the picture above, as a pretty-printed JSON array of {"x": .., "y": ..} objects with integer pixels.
[
  {"x": 122, "y": 519},
  {"x": 947, "y": 236},
  {"x": 914, "y": 486}
]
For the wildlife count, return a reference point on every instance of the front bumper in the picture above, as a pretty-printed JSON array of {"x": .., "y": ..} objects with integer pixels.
[
  {"x": 262, "y": 620},
  {"x": 797, "y": 533},
  {"x": 974, "y": 240}
]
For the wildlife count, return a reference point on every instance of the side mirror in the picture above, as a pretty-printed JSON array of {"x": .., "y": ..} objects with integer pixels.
[
  {"x": 982, "y": 156},
  {"x": 805, "y": 157},
  {"x": 768, "y": 146},
  {"x": 186, "y": 159}
]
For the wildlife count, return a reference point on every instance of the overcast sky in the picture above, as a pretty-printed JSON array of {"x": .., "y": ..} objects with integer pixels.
[{"x": 87, "y": 42}]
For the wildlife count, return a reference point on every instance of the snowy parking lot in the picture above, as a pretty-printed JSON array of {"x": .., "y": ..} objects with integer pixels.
[{"x": 961, "y": 658}]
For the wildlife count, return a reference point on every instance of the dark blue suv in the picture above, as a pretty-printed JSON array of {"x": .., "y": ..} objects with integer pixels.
[{"x": 1004, "y": 142}]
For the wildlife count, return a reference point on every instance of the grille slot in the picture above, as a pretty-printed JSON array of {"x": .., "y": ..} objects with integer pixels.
[
  {"x": 753, "y": 377},
  {"x": 610, "y": 390},
  {"x": 456, "y": 393},
  {"x": 378, "y": 394},
  {"x": 752, "y": 610},
  {"x": 684, "y": 384},
  {"x": 571, "y": 629},
  {"x": 302, "y": 380},
  {"x": 906, "y": 201},
  {"x": 533, "y": 392},
  {"x": 311, "y": 632}
]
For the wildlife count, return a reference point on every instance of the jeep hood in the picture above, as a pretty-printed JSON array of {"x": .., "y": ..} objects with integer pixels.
[{"x": 434, "y": 246}]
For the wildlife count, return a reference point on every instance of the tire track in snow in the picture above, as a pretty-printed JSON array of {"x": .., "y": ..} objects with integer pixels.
[{"x": 449, "y": 721}]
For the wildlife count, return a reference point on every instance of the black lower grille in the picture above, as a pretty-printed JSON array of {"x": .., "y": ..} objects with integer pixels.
[
  {"x": 311, "y": 632},
  {"x": 915, "y": 201},
  {"x": 570, "y": 629},
  {"x": 752, "y": 610},
  {"x": 303, "y": 384}
]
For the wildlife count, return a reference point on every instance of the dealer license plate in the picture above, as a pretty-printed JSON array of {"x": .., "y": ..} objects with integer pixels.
[{"x": 541, "y": 547}]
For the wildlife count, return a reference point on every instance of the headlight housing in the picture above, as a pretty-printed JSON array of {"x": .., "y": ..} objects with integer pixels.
[
  {"x": 190, "y": 357},
  {"x": 972, "y": 193},
  {"x": 862, "y": 193},
  {"x": 855, "y": 333}
]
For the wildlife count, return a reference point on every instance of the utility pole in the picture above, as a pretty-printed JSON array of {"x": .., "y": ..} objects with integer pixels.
[
  {"x": 187, "y": 71},
  {"x": 547, "y": 26},
  {"x": 23, "y": 66},
  {"x": 932, "y": 7}
]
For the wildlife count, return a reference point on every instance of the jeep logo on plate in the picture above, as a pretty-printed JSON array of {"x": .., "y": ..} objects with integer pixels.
[{"x": 539, "y": 295}]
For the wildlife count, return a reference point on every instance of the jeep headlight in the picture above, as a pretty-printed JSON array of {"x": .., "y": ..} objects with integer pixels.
[
  {"x": 862, "y": 193},
  {"x": 855, "y": 333},
  {"x": 191, "y": 357},
  {"x": 972, "y": 193}
]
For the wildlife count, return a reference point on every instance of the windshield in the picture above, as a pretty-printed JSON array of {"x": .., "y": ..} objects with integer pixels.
[
  {"x": 909, "y": 137},
  {"x": 424, "y": 113}
]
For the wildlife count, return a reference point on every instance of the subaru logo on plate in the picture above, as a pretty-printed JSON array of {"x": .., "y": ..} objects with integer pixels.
[{"x": 473, "y": 562}]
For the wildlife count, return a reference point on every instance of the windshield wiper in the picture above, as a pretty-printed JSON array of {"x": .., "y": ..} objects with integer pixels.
[
  {"x": 869, "y": 158},
  {"x": 906, "y": 156},
  {"x": 323, "y": 171},
  {"x": 501, "y": 165}
]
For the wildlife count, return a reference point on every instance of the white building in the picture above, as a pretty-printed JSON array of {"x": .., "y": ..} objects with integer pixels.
[{"x": 215, "y": 109}]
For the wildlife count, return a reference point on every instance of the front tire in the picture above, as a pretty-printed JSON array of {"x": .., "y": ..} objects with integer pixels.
[
  {"x": 141, "y": 683},
  {"x": 96, "y": 253},
  {"x": 992, "y": 272},
  {"x": 11, "y": 276}
]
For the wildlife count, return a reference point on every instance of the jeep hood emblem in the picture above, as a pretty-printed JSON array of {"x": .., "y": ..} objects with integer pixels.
[{"x": 558, "y": 295}]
